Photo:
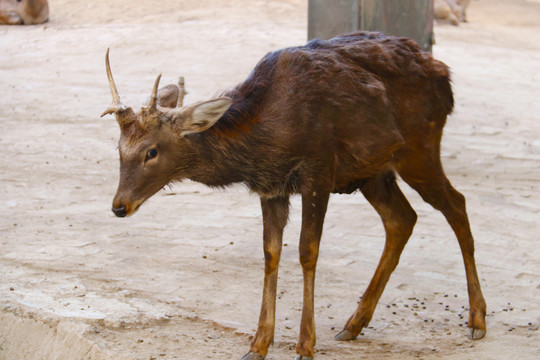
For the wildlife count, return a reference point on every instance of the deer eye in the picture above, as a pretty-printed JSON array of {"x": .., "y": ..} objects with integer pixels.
[{"x": 152, "y": 153}]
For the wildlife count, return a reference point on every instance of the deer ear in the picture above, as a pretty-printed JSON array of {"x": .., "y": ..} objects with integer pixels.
[
  {"x": 202, "y": 116},
  {"x": 168, "y": 96}
]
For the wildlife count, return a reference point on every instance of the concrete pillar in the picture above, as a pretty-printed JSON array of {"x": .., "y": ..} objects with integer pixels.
[{"x": 409, "y": 18}]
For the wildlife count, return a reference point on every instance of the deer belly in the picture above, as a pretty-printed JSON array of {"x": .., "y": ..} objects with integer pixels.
[{"x": 364, "y": 158}]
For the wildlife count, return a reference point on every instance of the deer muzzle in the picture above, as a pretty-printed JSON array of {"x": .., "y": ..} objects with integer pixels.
[
  {"x": 119, "y": 211},
  {"x": 122, "y": 207}
]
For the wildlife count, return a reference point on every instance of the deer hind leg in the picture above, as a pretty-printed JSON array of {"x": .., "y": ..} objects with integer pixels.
[
  {"x": 398, "y": 218},
  {"x": 425, "y": 174},
  {"x": 275, "y": 215}
]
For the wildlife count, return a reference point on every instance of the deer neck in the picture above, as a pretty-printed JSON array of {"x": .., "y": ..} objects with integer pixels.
[{"x": 219, "y": 161}]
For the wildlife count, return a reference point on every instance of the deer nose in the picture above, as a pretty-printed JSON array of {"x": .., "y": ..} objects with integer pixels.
[{"x": 120, "y": 211}]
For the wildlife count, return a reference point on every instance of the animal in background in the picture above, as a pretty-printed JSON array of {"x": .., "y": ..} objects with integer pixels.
[
  {"x": 23, "y": 12},
  {"x": 451, "y": 11},
  {"x": 335, "y": 116}
]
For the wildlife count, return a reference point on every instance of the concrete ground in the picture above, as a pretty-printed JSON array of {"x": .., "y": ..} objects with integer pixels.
[{"x": 182, "y": 278}]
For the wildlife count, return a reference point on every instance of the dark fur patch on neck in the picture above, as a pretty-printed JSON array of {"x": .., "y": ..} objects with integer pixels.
[{"x": 247, "y": 98}]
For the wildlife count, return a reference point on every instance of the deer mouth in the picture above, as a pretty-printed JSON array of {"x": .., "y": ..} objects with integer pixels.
[{"x": 136, "y": 207}]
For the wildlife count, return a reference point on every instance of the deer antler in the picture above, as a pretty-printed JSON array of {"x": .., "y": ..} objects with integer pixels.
[
  {"x": 153, "y": 98},
  {"x": 182, "y": 91},
  {"x": 116, "y": 106}
]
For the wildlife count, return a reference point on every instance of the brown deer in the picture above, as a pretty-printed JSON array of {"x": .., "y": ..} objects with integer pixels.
[
  {"x": 23, "y": 12},
  {"x": 332, "y": 116}
]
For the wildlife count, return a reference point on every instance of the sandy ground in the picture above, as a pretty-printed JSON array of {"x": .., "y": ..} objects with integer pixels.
[{"x": 182, "y": 278}]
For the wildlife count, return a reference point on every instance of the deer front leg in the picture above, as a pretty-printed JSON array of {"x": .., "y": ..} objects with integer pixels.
[
  {"x": 314, "y": 206},
  {"x": 275, "y": 215}
]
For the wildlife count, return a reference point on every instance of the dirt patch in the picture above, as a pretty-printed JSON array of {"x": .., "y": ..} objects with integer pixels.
[{"x": 182, "y": 278}]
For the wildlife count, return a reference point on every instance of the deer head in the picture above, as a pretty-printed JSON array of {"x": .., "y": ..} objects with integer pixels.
[{"x": 154, "y": 142}]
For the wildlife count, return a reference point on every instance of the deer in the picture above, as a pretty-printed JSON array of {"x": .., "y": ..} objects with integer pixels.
[
  {"x": 333, "y": 116},
  {"x": 23, "y": 12},
  {"x": 451, "y": 11}
]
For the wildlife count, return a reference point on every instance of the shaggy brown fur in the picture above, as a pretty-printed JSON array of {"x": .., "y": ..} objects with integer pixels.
[{"x": 331, "y": 116}]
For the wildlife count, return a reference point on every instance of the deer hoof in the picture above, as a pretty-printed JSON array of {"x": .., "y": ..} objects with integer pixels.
[
  {"x": 476, "y": 334},
  {"x": 301, "y": 357},
  {"x": 252, "y": 356},
  {"x": 345, "y": 335}
]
